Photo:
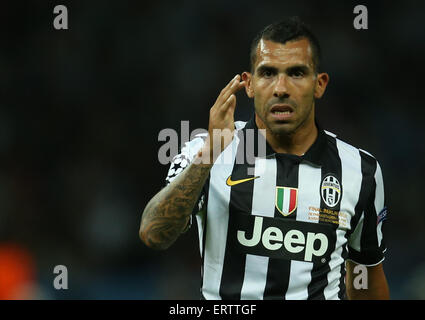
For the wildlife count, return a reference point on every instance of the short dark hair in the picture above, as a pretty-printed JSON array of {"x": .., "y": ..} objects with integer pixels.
[{"x": 286, "y": 30}]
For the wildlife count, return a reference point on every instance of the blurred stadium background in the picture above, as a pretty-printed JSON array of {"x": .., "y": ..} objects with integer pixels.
[{"x": 81, "y": 109}]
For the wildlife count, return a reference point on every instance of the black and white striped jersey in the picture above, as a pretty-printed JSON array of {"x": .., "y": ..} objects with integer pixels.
[{"x": 282, "y": 226}]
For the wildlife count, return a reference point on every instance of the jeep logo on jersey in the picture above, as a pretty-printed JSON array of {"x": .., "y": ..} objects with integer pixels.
[
  {"x": 331, "y": 191},
  {"x": 286, "y": 200},
  {"x": 284, "y": 239}
]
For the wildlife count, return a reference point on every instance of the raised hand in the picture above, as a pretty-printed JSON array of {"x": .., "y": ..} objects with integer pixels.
[{"x": 221, "y": 122}]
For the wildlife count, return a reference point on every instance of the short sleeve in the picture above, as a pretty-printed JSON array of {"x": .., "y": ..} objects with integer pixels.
[
  {"x": 366, "y": 244},
  {"x": 182, "y": 161}
]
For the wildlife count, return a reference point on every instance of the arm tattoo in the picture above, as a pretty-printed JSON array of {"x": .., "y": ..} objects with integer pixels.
[{"x": 168, "y": 213}]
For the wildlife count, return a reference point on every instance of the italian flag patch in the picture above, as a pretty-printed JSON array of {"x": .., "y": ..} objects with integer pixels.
[{"x": 286, "y": 200}]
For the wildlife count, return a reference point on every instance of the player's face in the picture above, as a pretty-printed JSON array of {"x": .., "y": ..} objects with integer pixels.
[{"x": 284, "y": 85}]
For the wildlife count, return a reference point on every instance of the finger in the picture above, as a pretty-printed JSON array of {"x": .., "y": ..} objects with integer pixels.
[
  {"x": 229, "y": 84},
  {"x": 224, "y": 92},
  {"x": 234, "y": 87},
  {"x": 241, "y": 85},
  {"x": 229, "y": 103},
  {"x": 238, "y": 85},
  {"x": 232, "y": 106}
]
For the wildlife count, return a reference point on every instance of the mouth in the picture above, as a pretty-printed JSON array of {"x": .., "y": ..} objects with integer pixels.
[{"x": 281, "y": 112}]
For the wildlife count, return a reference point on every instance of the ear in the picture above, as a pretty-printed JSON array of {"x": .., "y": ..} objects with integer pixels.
[
  {"x": 247, "y": 77},
  {"x": 321, "y": 83}
]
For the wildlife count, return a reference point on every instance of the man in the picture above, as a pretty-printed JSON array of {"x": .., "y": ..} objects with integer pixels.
[{"x": 295, "y": 222}]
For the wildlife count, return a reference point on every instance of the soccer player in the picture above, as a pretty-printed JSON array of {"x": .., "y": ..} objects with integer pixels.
[{"x": 295, "y": 221}]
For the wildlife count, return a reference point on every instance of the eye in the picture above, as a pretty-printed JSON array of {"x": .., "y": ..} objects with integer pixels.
[
  {"x": 297, "y": 73},
  {"x": 267, "y": 72}
]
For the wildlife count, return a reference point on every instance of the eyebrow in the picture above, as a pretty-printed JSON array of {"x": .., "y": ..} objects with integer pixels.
[
  {"x": 302, "y": 67},
  {"x": 298, "y": 66},
  {"x": 263, "y": 68}
]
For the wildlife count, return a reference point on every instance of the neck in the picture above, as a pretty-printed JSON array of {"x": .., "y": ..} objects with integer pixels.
[{"x": 297, "y": 142}]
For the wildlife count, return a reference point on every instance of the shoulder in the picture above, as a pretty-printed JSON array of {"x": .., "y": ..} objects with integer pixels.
[
  {"x": 348, "y": 150},
  {"x": 354, "y": 157}
]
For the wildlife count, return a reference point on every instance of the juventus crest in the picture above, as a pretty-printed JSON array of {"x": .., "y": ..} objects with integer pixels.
[{"x": 331, "y": 190}]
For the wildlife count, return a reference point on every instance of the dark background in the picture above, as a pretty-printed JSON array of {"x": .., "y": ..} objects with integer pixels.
[{"x": 81, "y": 109}]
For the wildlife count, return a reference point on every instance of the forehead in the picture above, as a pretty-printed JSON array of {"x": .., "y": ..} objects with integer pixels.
[{"x": 292, "y": 52}]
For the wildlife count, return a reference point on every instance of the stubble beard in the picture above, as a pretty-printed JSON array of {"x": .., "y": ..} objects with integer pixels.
[{"x": 285, "y": 130}]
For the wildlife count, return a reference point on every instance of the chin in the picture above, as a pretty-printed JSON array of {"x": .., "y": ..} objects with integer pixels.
[{"x": 282, "y": 129}]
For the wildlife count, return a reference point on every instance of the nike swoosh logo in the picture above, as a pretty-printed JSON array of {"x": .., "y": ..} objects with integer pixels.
[{"x": 231, "y": 182}]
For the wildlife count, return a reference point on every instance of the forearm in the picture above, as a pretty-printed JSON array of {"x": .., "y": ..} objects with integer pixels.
[
  {"x": 380, "y": 292},
  {"x": 377, "y": 286},
  {"x": 168, "y": 212},
  {"x": 375, "y": 291}
]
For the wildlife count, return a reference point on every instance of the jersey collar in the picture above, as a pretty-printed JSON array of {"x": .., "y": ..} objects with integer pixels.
[{"x": 314, "y": 154}]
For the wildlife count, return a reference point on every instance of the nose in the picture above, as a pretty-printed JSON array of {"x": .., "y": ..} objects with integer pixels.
[{"x": 281, "y": 88}]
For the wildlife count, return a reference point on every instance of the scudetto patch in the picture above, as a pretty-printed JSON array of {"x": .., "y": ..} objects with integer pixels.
[{"x": 286, "y": 200}]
